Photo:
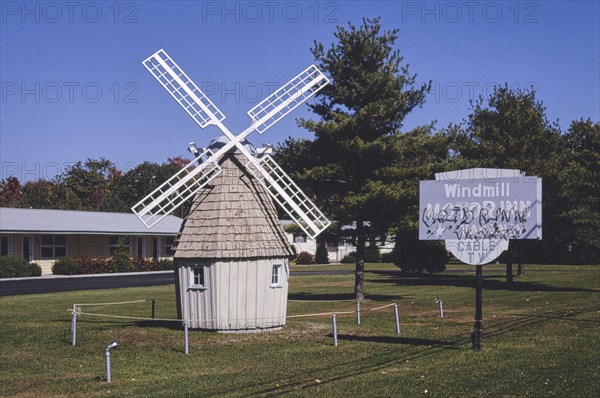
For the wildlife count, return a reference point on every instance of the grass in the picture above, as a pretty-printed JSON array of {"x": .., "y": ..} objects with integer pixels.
[{"x": 541, "y": 340}]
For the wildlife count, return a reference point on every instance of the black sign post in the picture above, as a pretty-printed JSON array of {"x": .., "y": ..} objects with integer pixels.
[{"x": 478, "y": 327}]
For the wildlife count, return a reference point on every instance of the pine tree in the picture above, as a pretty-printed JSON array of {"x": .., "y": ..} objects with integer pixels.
[
  {"x": 321, "y": 256},
  {"x": 355, "y": 155}
]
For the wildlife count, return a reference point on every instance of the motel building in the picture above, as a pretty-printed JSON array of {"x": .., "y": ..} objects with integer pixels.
[{"x": 42, "y": 236}]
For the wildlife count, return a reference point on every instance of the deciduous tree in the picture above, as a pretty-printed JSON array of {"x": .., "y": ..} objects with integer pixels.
[
  {"x": 91, "y": 181},
  {"x": 44, "y": 194},
  {"x": 138, "y": 182},
  {"x": 11, "y": 192},
  {"x": 579, "y": 193},
  {"x": 510, "y": 130}
]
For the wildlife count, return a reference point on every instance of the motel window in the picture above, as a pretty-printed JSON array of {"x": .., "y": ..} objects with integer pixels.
[
  {"x": 169, "y": 242},
  {"x": 54, "y": 246},
  {"x": 5, "y": 246},
  {"x": 299, "y": 237},
  {"x": 113, "y": 243},
  {"x": 197, "y": 278},
  {"x": 276, "y": 275}
]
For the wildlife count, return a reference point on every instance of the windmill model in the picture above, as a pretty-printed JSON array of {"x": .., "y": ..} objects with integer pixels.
[{"x": 232, "y": 257}]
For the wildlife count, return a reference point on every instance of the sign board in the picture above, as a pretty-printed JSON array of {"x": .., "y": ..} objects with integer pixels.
[{"x": 477, "y": 211}]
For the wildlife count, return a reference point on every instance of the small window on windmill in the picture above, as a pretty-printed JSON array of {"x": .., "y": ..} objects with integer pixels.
[
  {"x": 197, "y": 278},
  {"x": 276, "y": 276}
]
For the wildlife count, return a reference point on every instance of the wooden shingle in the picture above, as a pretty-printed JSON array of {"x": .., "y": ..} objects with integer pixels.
[{"x": 234, "y": 217}]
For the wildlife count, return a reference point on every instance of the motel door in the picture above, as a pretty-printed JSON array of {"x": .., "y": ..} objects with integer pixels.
[
  {"x": 26, "y": 248},
  {"x": 155, "y": 248}
]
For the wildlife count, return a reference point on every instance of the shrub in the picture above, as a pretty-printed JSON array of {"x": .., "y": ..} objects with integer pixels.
[
  {"x": 166, "y": 265},
  {"x": 387, "y": 257},
  {"x": 142, "y": 264},
  {"x": 292, "y": 228},
  {"x": 35, "y": 269},
  {"x": 305, "y": 258},
  {"x": 65, "y": 266},
  {"x": 321, "y": 256},
  {"x": 349, "y": 258},
  {"x": 90, "y": 265},
  {"x": 120, "y": 260},
  {"x": 17, "y": 267},
  {"x": 119, "y": 263},
  {"x": 372, "y": 254},
  {"x": 419, "y": 256}
]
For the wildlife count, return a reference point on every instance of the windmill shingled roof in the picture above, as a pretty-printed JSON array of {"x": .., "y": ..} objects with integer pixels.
[{"x": 232, "y": 217}]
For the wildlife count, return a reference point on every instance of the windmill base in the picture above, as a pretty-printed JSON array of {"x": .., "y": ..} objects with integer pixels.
[{"x": 233, "y": 296}]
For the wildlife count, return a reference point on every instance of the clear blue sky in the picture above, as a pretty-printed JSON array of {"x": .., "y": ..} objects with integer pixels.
[{"x": 73, "y": 86}]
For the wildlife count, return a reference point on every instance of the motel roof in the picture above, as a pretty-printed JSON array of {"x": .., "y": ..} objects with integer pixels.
[{"x": 46, "y": 221}]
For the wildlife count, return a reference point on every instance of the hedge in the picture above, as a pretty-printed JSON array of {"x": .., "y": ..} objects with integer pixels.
[
  {"x": 17, "y": 267},
  {"x": 418, "y": 256},
  {"x": 372, "y": 255},
  {"x": 84, "y": 265}
]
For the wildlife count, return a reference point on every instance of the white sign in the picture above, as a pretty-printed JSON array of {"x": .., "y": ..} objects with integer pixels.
[{"x": 477, "y": 211}]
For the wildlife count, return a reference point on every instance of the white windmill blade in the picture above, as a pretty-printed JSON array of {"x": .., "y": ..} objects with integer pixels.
[
  {"x": 176, "y": 190},
  {"x": 191, "y": 179},
  {"x": 183, "y": 89},
  {"x": 287, "y": 98},
  {"x": 289, "y": 196}
]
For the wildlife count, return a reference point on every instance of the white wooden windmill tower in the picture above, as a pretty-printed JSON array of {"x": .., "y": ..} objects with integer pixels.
[{"x": 232, "y": 258}]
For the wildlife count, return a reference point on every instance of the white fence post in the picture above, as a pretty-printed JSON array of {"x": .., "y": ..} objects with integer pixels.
[
  {"x": 441, "y": 303},
  {"x": 185, "y": 334},
  {"x": 107, "y": 353},
  {"x": 358, "y": 312},
  {"x": 74, "y": 327},
  {"x": 335, "y": 339},
  {"x": 397, "y": 318}
]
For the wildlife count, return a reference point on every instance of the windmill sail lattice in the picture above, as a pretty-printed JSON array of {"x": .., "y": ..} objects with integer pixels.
[
  {"x": 186, "y": 183},
  {"x": 285, "y": 192},
  {"x": 183, "y": 89},
  {"x": 287, "y": 98},
  {"x": 180, "y": 187}
]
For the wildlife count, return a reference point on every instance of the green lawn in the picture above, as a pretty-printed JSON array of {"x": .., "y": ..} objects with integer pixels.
[{"x": 541, "y": 339}]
